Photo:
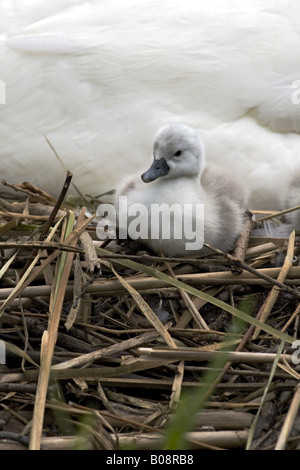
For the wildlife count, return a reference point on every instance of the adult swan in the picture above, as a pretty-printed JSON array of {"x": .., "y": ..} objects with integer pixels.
[{"x": 98, "y": 79}]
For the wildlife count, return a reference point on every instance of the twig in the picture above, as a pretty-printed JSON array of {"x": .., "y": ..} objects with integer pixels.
[
  {"x": 191, "y": 354},
  {"x": 221, "y": 439},
  {"x": 292, "y": 317},
  {"x": 189, "y": 304},
  {"x": 38, "y": 218},
  {"x": 113, "y": 287},
  {"x": 289, "y": 420},
  {"x": 242, "y": 244},
  {"x": 256, "y": 272},
  {"x": 47, "y": 349},
  {"x": 52, "y": 216},
  {"x": 273, "y": 294},
  {"x": 33, "y": 208},
  {"x": 147, "y": 311},
  {"x": 31, "y": 191},
  {"x": 13, "y": 436},
  {"x": 16, "y": 291},
  {"x": 106, "y": 352},
  {"x": 41, "y": 245},
  {"x": 278, "y": 214},
  {"x": 90, "y": 254},
  {"x": 177, "y": 385},
  {"x": 62, "y": 164},
  {"x": 159, "y": 259},
  {"x": 57, "y": 205}
]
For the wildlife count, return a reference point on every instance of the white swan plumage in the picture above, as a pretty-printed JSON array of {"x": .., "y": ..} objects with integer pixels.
[{"x": 98, "y": 78}]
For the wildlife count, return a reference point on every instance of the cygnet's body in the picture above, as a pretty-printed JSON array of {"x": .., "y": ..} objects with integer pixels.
[{"x": 177, "y": 177}]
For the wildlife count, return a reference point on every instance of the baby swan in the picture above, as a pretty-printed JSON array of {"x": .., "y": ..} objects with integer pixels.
[{"x": 185, "y": 203}]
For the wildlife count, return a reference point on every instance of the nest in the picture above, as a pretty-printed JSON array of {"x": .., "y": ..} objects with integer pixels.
[{"x": 106, "y": 347}]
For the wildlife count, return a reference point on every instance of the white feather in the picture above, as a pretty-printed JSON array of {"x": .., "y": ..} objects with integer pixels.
[{"x": 99, "y": 77}]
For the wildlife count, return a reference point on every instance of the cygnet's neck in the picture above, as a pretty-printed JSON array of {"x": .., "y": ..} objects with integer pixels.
[
  {"x": 184, "y": 189},
  {"x": 188, "y": 180}
]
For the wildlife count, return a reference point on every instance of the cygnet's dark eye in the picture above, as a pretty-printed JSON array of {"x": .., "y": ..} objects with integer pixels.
[{"x": 177, "y": 154}]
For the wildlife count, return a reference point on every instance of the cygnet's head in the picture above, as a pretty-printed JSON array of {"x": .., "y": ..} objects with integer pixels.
[{"x": 178, "y": 151}]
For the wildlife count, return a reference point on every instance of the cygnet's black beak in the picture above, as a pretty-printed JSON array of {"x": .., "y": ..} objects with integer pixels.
[{"x": 157, "y": 169}]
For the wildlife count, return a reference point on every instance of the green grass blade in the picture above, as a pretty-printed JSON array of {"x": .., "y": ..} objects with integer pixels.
[{"x": 190, "y": 404}]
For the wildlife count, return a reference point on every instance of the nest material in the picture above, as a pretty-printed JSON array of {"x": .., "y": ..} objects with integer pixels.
[{"x": 107, "y": 348}]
